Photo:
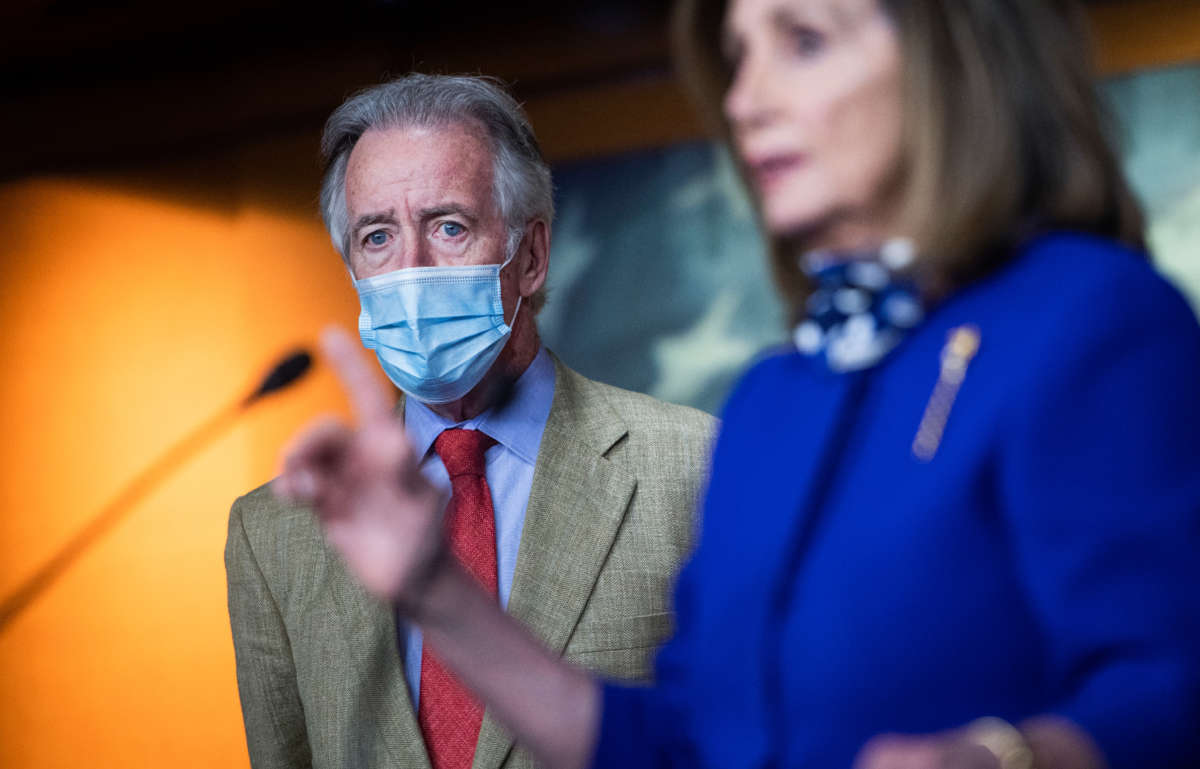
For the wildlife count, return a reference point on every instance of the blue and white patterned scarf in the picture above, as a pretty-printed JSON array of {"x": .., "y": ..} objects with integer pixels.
[{"x": 859, "y": 309}]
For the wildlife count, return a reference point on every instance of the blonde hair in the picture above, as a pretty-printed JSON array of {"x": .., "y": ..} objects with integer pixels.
[{"x": 1004, "y": 132}]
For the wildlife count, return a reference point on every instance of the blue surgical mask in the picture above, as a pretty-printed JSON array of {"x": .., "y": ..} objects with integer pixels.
[{"x": 435, "y": 330}]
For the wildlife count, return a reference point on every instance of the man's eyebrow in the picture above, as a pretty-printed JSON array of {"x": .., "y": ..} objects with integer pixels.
[
  {"x": 447, "y": 209},
  {"x": 384, "y": 217}
]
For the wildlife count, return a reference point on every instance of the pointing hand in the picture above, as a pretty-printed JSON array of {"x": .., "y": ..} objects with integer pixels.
[{"x": 364, "y": 483}]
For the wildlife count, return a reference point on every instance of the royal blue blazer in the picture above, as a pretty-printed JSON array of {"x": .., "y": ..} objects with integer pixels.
[{"x": 1046, "y": 560}]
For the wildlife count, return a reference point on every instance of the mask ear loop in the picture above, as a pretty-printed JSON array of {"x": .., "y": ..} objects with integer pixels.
[
  {"x": 519, "y": 298},
  {"x": 515, "y": 311}
]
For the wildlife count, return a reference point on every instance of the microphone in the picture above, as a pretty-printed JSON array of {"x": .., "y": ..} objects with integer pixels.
[{"x": 285, "y": 373}]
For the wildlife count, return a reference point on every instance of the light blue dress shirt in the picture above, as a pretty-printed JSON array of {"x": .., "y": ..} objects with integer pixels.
[{"x": 518, "y": 429}]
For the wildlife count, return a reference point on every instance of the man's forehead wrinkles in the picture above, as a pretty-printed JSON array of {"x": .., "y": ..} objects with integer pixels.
[{"x": 416, "y": 175}]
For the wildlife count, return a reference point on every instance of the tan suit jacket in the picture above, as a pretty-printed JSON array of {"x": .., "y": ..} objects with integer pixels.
[{"x": 609, "y": 518}]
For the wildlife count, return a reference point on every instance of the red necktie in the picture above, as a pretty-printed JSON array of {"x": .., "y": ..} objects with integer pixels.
[{"x": 449, "y": 716}]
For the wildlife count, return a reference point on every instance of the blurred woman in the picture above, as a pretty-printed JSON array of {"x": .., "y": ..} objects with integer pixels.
[{"x": 966, "y": 508}]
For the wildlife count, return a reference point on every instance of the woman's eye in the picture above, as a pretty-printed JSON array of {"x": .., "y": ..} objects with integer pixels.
[
  {"x": 452, "y": 229},
  {"x": 377, "y": 238},
  {"x": 805, "y": 41}
]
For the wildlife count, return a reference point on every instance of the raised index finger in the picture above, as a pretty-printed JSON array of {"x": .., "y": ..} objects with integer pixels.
[{"x": 368, "y": 398}]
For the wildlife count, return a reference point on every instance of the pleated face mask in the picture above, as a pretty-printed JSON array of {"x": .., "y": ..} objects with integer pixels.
[{"x": 435, "y": 330}]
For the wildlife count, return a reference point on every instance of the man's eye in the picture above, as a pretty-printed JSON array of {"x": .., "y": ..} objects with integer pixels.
[
  {"x": 452, "y": 229},
  {"x": 377, "y": 238}
]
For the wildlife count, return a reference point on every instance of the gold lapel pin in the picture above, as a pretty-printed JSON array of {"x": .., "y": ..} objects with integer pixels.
[{"x": 961, "y": 346}]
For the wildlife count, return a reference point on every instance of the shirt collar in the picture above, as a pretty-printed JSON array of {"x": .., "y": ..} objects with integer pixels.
[{"x": 518, "y": 426}]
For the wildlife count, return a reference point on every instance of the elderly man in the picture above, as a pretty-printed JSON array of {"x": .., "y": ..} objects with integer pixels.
[{"x": 569, "y": 501}]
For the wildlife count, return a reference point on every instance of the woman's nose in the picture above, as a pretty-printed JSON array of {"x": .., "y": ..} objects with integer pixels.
[{"x": 747, "y": 102}]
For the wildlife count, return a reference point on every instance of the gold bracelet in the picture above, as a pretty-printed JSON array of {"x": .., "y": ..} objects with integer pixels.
[{"x": 1002, "y": 740}]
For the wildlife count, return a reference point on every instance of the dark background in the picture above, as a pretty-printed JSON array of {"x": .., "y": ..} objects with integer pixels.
[
  {"x": 89, "y": 88},
  {"x": 93, "y": 87}
]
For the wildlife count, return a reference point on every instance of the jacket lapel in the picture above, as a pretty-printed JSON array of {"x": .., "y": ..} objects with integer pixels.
[
  {"x": 381, "y": 700},
  {"x": 381, "y": 703},
  {"x": 780, "y": 489},
  {"x": 772, "y": 468},
  {"x": 576, "y": 505}
]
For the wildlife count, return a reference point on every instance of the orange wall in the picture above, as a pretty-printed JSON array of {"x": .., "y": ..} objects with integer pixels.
[{"x": 131, "y": 313}]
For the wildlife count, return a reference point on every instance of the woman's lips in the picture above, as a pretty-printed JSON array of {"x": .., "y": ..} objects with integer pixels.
[{"x": 769, "y": 170}]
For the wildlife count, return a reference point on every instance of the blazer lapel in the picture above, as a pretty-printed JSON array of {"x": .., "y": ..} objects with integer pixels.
[
  {"x": 576, "y": 505},
  {"x": 382, "y": 704},
  {"x": 782, "y": 488},
  {"x": 381, "y": 699}
]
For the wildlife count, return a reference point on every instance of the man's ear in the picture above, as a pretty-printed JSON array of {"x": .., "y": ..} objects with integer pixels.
[{"x": 533, "y": 257}]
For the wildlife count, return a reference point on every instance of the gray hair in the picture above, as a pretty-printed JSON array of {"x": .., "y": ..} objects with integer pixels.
[{"x": 520, "y": 177}]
